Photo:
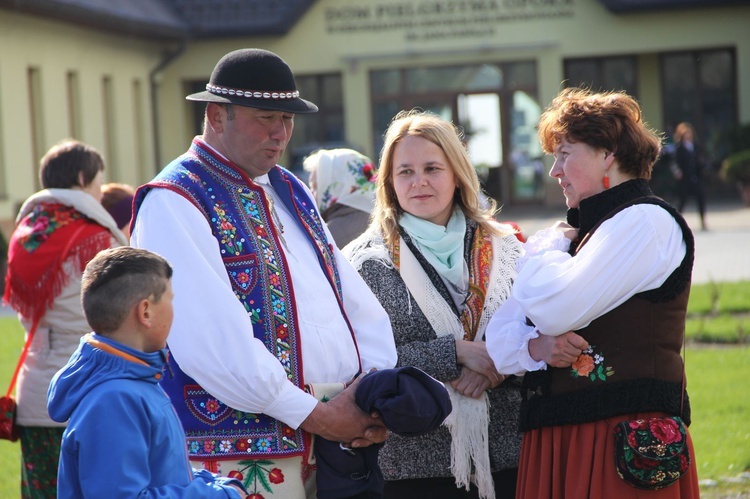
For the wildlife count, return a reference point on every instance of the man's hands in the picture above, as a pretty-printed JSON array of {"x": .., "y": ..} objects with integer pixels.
[
  {"x": 557, "y": 351},
  {"x": 341, "y": 420}
]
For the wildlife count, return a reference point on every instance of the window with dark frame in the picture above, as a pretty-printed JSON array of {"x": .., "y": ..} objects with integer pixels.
[
  {"x": 603, "y": 73},
  {"x": 324, "y": 129},
  {"x": 700, "y": 87}
]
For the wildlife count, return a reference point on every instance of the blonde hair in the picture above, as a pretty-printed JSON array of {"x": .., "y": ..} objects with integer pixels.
[{"x": 424, "y": 124}]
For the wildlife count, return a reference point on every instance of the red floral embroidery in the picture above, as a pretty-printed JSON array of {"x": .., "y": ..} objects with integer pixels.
[
  {"x": 584, "y": 365},
  {"x": 212, "y": 405},
  {"x": 276, "y": 476},
  {"x": 666, "y": 430},
  {"x": 591, "y": 365}
]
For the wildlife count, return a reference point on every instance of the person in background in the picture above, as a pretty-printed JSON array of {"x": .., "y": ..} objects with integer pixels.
[
  {"x": 343, "y": 183},
  {"x": 58, "y": 230},
  {"x": 440, "y": 265},
  {"x": 596, "y": 319},
  {"x": 688, "y": 168},
  {"x": 117, "y": 199},
  {"x": 270, "y": 318},
  {"x": 120, "y": 441}
]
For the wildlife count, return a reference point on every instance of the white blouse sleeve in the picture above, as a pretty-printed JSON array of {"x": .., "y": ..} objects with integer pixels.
[
  {"x": 211, "y": 336},
  {"x": 632, "y": 252},
  {"x": 371, "y": 324},
  {"x": 507, "y": 338}
]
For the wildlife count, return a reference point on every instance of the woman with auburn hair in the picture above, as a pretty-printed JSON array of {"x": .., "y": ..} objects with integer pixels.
[
  {"x": 440, "y": 265},
  {"x": 596, "y": 319}
]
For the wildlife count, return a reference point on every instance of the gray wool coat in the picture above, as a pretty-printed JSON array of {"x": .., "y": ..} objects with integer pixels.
[{"x": 417, "y": 344}]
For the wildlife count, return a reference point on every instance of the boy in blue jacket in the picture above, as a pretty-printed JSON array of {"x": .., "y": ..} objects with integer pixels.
[{"x": 123, "y": 437}]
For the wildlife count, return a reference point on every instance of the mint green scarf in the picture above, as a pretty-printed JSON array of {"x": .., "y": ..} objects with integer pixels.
[{"x": 442, "y": 247}]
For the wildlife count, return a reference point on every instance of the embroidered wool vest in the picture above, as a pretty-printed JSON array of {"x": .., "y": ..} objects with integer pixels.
[
  {"x": 633, "y": 363},
  {"x": 240, "y": 217}
]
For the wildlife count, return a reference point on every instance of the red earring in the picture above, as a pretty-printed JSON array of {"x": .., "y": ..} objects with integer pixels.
[{"x": 606, "y": 177}]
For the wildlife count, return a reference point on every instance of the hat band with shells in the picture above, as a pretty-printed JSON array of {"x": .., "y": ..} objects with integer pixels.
[{"x": 252, "y": 94}]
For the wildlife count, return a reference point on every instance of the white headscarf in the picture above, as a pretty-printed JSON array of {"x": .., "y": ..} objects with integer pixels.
[{"x": 342, "y": 176}]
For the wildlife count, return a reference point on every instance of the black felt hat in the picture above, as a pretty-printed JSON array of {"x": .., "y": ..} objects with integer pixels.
[{"x": 254, "y": 78}]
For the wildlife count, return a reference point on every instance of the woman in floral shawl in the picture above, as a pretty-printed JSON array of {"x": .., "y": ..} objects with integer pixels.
[
  {"x": 343, "y": 183},
  {"x": 58, "y": 230}
]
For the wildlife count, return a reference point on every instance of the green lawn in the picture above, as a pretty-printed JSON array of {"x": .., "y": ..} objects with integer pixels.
[
  {"x": 719, "y": 313},
  {"x": 720, "y": 403},
  {"x": 11, "y": 343},
  {"x": 718, "y": 367}
]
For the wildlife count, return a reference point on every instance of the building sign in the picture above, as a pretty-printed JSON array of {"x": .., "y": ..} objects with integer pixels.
[{"x": 424, "y": 20}]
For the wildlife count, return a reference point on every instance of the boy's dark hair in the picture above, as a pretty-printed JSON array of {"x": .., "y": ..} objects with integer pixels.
[
  {"x": 59, "y": 168},
  {"x": 115, "y": 280}
]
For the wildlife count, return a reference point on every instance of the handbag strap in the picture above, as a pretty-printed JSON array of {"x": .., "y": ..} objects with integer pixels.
[
  {"x": 35, "y": 325},
  {"x": 684, "y": 368},
  {"x": 22, "y": 358}
]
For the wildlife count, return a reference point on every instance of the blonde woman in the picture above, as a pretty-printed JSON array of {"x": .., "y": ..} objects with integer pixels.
[{"x": 440, "y": 266}]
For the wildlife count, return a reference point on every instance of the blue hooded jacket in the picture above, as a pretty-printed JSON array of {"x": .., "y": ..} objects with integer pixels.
[{"x": 123, "y": 437}]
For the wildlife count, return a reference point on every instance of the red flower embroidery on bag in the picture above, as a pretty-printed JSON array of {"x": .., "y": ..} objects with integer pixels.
[{"x": 665, "y": 430}]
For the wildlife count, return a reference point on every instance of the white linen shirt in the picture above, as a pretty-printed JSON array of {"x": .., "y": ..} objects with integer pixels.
[
  {"x": 210, "y": 332},
  {"x": 634, "y": 251}
]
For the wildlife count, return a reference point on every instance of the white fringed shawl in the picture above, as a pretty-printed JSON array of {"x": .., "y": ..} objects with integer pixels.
[{"x": 469, "y": 420}]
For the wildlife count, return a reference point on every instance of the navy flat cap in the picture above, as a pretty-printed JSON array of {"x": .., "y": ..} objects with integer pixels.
[{"x": 410, "y": 403}]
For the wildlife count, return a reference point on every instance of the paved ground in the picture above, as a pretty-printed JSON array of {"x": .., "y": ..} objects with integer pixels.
[{"x": 722, "y": 253}]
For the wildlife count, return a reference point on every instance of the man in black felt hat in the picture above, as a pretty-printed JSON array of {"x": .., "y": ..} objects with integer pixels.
[{"x": 271, "y": 321}]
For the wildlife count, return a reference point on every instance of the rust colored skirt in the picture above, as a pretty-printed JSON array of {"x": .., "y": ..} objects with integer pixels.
[{"x": 578, "y": 461}]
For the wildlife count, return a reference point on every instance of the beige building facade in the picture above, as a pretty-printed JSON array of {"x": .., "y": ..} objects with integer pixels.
[
  {"x": 491, "y": 66},
  {"x": 60, "y": 80}
]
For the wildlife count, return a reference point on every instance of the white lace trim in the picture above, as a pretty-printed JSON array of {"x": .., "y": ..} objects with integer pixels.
[
  {"x": 470, "y": 417},
  {"x": 549, "y": 239}
]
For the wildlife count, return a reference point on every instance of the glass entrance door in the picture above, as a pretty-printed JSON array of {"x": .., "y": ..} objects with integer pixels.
[{"x": 495, "y": 104}]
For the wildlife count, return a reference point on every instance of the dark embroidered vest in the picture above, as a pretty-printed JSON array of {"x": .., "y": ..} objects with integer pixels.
[
  {"x": 240, "y": 217},
  {"x": 634, "y": 363}
]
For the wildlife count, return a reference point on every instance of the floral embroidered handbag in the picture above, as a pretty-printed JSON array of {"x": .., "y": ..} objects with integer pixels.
[
  {"x": 651, "y": 453},
  {"x": 8, "y": 428}
]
